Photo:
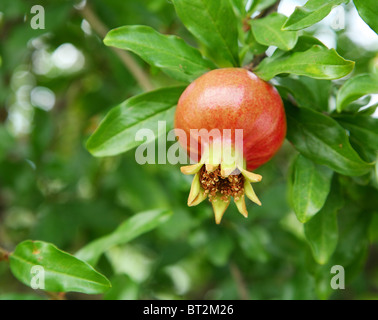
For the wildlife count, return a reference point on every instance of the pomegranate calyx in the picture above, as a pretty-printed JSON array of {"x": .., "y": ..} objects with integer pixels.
[
  {"x": 240, "y": 204},
  {"x": 219, "y": 182},
  {"x": 250, "y": 193},
  {"x": 219, "y": 207},
  {"x": 195, "y": 189},
  {"x": 192, "y": 169},
  {"x": 250, "y": 176}
]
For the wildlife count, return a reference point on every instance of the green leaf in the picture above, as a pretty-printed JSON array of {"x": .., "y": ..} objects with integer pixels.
[
  {"x": 253, "y": 46},
  {"x": 304, "y": 43},
  {"x": 355, "y": 106},
  {"x": 368, "y": 10},
  {"x": 363, "y": 128},
  {"x": 239, "y": 6},
  {"x": 169, "y": 53},
  {"x": 310, "y": 187},
  {"x": 308, "y": 92},
  {"x": 354, "y": 236},
  {"x": 62, "y": 272},
  {"x": 127, "y": 231},
  {"x": 267, "y": 31},
  {"x": 322, "y": 231},
  {"x": 321, "y": 139},
  {"x": 116, "y": 133},
  {"x": 369, "y": 110},
  {"x": 312, "y": 12},
  {"x": 317, "y": 62},
  {"x": 259, "y": 5},
  {"x": 213, "y": 23},
  {"x": 355, "y": 88}
]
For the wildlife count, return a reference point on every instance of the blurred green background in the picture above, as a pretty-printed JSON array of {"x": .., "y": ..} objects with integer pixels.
[{"x": 56, "y": 85}]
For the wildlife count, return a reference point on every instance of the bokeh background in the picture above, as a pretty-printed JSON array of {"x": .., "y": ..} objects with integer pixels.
[{"x": 57, "y": 84}]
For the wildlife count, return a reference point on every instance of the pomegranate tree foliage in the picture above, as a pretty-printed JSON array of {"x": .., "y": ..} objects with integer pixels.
[{"x": 125, "y": 228}]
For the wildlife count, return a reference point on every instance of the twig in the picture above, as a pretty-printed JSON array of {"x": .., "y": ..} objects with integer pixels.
[
  {"x": 262, "y": 14},
  {"x": 238, "y": 278},
  {"x": 246, "y": 27},
  {"x": 55, "y": 295},
  {"x": 100, "y": 28},
  {"x": 4, "y": 255},
  {"x": 269, "y": 10},
  {"x": 255, "y": 62}
]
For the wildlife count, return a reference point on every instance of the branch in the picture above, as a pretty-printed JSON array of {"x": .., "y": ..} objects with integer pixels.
[
  {"x": 269, "y": 10},
  {"x": 4, "y": 255},
  {"x": 127, "y": 59},
  {"x": 240, "y": 284},
  {"x": 255, "y": 62},
  {"x": 55, "y": 295},
  {"x": 246, "y": 27},
  {"x": 262, "y": 14}
]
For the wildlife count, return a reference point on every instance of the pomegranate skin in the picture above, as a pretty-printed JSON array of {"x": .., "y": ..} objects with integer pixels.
[{"x": 235, "y": 98}]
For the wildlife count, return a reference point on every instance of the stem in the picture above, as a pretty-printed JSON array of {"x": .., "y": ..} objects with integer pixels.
[
  {"x": 4, "y": 255},
  {"x": 255, "y": 62},
  {"x": 269, "y": 10},
  {"x": 127, "y": 59},
  {"x": 264, "y": 13},
  {"x": 56, "y": 295},
  {"x": 246, "y": 27},
  {"x": 240, "y": 283}
]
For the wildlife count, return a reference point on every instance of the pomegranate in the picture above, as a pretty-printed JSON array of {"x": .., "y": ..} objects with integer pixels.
[{"x": 228, "y": 100}]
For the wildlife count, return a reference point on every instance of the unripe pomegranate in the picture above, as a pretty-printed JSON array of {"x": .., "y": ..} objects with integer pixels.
[{"x": 226, "y": 100}]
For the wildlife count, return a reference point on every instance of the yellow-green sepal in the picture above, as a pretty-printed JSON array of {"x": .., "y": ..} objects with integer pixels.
[
  {"x": 250, "y": 193},
  {"x": 191, "y": 169},
  {"x": 240, "y": 204},
  {"x": 219, "y": 207},
  {"x": 194, "y": 190}
]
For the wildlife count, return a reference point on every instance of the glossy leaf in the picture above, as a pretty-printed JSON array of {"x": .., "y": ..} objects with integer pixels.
[
  {"x": 317, "y": 62},
  {"x": 116, "y": 133},
  {"x": 239, "y": 6},
  {"x": 267, "y": 31},
  {"x": 308, "y": 92},
  {"x": 368, "y": 10},
  {"x": 252, "y": 46},
  {"x": 322, "y": 139},
  {"x": 310, "y": 187},
  {"x": 355, "y": 88},
  {"x": 127, "y": 231},
  {"x": 259, "y": 5},
  {"x": 167, "y": 52},
  {"x": 312, "y": 12},
  {"x": 62, "y": 272},
  {"x": 213, "y": 23},
  {"x": 322, "y": 230},
  {"x": 363, "y": 128}
]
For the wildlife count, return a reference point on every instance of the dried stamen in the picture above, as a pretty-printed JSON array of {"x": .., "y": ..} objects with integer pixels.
[{"x": 214, "y": 184}]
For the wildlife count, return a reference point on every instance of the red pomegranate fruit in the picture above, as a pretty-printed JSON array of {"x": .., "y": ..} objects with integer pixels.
[{"x": 230, "y": 100}]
